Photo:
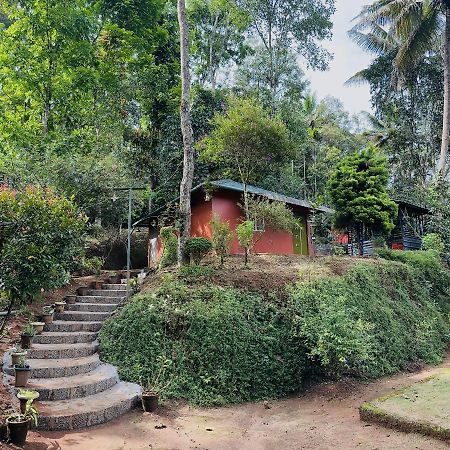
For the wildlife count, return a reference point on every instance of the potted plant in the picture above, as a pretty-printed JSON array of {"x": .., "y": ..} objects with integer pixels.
[
  {"x": 24, "y": 396},
  {"x": 83, "y": 290},
  {"x": 22, "y": 372},
  {"x": 47, "y": 314},
  {"x": 70, "y": 299},
  {"x": 38, "y": 327},
  {"x": 16, "y": 354},
  {"x": 59, "y": 307},
  {"x": 19, "y": 424},
  {"x": 26, "y": 338},
  {"x": 97, "y": 284},
  {"x": 155, "y": 386}
]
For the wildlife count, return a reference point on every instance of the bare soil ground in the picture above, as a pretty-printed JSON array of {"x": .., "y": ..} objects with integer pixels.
[
  {"x": 325, "y": 417},
  {"x": 265, "y": 273}
]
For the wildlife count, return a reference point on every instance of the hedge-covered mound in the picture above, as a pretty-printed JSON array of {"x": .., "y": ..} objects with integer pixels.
[
  {"x": 221, "y": 345},
  {"x": 225, "y": 345}
]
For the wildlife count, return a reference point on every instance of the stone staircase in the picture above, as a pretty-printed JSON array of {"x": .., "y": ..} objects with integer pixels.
[{"x": 76, "y": 389}]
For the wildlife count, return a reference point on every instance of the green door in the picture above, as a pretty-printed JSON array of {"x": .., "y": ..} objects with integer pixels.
[{"x": 301, "y": 238}]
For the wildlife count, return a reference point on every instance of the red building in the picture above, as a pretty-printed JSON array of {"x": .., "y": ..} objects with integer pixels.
[{"x": 223, "y": 198}]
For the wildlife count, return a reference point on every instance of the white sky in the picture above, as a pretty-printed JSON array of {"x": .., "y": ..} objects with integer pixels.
[{"x": 348, "y": 59}]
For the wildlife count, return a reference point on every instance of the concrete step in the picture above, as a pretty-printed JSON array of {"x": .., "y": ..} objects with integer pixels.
[
  {"x": 56, "y": 368},
  {"x": 77, "y": 386},
  {"x": 84, "y": 316},
  {"x": 113, "y": 287},
  {"x": 108, "y": 293},
  {"x": 64, "y": 326},
  {"x": 88, "y": 411},
  {"x": 92, "y": 307},
  {"x": 97, "y": 299},
  {"x": 67, "y": 337},
  {"x": 62, "y": 351}
]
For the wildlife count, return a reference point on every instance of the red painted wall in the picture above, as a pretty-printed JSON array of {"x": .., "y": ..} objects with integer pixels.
[
  {"x": 225, "y": 204},
  {"x": 201, "y": 217}
]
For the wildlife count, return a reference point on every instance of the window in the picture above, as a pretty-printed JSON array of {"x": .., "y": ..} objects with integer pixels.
[{"x": 259, "y": 225}]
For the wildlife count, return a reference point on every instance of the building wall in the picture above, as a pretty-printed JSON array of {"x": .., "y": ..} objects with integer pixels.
[
  {"x": 225, "y": 203},
  {"x": 201, "y": 217}
]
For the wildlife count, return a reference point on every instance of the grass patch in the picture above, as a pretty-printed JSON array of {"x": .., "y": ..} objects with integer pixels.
[{"x": 421, "y": 407}]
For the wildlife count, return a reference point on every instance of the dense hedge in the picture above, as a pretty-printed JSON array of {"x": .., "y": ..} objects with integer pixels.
[
  {"x": 230, "y": 346},
  {"x": 375, "y": 320},
  {"x": 225, "y": 345}
]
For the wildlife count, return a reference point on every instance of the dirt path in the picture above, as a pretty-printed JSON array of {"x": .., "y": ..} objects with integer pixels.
[{"x": 326, "y": 417}]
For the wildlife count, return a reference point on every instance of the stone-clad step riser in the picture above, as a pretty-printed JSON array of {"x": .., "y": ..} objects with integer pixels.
[
  {"x": 70, "y": 338},
  {"x": 76, "y": 352},
  {"x": 91, "y": 307},
  {"x": 97, "y": 299},
  {"x": 114, "y": 287},
  {"x": 58, "y": 372},
  {"x": 83, "y": 316},
  {"x": 74, "y": 327},
  {"x": 65, "y": 393},
  {"x": 86, "y": 419},
  {"x": 107, "y": 293}
]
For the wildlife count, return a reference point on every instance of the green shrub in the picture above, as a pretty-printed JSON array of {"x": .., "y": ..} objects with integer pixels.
[
  {"x": 89, "y": 265},
  {"x": 222, "y": 237},
  {"x": 433, "y": 241},
  {"x": 428, "y": 270},
  {"x": 244, "y": 232},
  {"x": 191, "y": 273},
  {"x": 170, "y": 246},
  {"x": 197, "y": 248},
  {"x": 374, "y": 320},
  {"x": 41, "y": 240},
  {"x": 226, "y": 346}
]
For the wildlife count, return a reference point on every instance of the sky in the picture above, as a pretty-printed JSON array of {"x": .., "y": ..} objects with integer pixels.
[{"x": 348, "y": 59}]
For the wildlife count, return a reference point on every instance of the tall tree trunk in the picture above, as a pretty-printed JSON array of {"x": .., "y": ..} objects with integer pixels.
[
  {"x": 188, "y": 137},
  {"x": 441, "y": 170}
]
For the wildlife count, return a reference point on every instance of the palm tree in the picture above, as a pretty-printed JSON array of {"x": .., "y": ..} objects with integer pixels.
[{"x": 410, "y": 29}]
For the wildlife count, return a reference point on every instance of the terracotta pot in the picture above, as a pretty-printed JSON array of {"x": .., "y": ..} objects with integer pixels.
[
  {"x": 59, "y": 307},
  {"x": 22, "y": 375},
  {"x": 38, "y": 326},
  {"x": 150, "y": 401},
  {"x": 18, "y": 432},
  {"x": 26, "y": 341},
  {"x": 15, "y": 357},
  {"x": 70, "y": 299},
  {"x": 48, "y": 319},
  {"x": 97, "y": 284},
  {"x": 83, "y": 290}
]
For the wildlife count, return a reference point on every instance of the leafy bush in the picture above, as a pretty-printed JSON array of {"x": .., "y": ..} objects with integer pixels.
[
  {"x": 374, "y": 320},
  {"x": 226, "y": 346},
  {"x": 170, "y": 246},
  {"x": 244, "y": 232},
  {"x": 89, "y": 266},
  {"x": 189, "y": 273},
  {"x": 221, "y": 237},
  {"x": 428, "y": 271},
  {"x": 433, "y": 241},
  {"x": 198, "y": 248},
  {"x": 41, "y": 241}
]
